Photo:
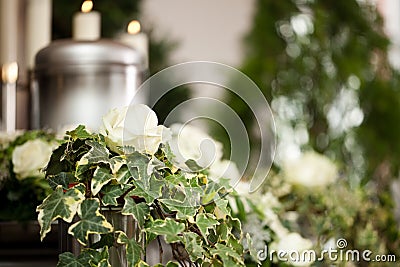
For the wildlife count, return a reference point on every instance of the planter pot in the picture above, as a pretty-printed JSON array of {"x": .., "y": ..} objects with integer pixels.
[{"x": 117, "y": 253}]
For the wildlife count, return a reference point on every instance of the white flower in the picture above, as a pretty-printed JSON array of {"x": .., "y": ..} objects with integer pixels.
[
  {"x": 190, "y": 142},
  {"x": 135, "y": 126},
  {"x": 225, "y": 169},
  {"x": 311, "y": 170},
  {"x": 32, "y": 156},
  {"x": 292, "y": 249}
]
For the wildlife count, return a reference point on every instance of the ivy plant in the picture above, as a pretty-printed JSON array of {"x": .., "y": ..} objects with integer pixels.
[{"x": 186, "y": 209}]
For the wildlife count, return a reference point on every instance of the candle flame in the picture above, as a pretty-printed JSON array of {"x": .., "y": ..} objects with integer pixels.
[
  {"x": 9, "y": 72},
  {"x": 133, "y": 27},
  {"x": 87, "y": 6}
]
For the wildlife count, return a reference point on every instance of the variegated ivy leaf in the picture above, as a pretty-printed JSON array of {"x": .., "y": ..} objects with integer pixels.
[
  {"x": 193, "y": 245},
  {"x": 101, "y": 177},
  {"x": 67, "y": 259},
  {"x": 89, "y": 257},
  {"x": 59, "y": 205},
  {"x": 183, "y": 209},
  {"x": 142, "y": 264},
  {"x": 221, "y": 209},
  {"x": 149, "y": 190},
  {"x": 112, "y": 192},
  {"x": 228, "y": 255},
  {"x": 79, "y": 133},
  {"x": 123, "y": 175},
  {"x": 139, "y": 211},
  {"x": 97, "y": 154},
  {"x": 133, "y": 250},
  {"x": 169, "y": 228},
  {"x": 62, "y": 178},
  {"x": 92, "y": 222},
  {"x": 185, "y": 201},
  {"x": 138, "y": 165},
  {"x": 205, "y": 222},
  {"x": 252, "y": 249},
  {"x": 116, "y": 163}
]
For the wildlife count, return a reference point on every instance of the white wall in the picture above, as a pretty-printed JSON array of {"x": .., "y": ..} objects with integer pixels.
[{"x": 206, "y": 30}]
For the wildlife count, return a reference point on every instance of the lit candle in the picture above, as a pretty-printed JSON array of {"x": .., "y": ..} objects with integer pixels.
[
  {"x": 137, "y": 40},
  {"x": 8, "y": 30},
  {"x": 38, "y": 28},
  {"x": 86, "y": 24},
  {"x": 9, "y": 75}
]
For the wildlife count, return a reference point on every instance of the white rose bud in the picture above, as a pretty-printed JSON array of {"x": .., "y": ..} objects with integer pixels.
[
  {"x": 141, "y": 130},
  {"x": 29, "y": 158},
  {"x": 310, "y": 170}
]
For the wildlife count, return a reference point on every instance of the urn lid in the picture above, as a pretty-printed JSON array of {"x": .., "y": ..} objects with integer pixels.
[{"x": 68, "y": 53}]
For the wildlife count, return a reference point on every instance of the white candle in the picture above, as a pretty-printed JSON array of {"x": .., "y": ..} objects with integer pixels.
[
  {"x": 86, "y": 24},
  {"x": 8, "y": 30},
  {"x": 38, "y": 28},
  {"x": 9, "y": 75},
  {"x": 137, "y": 40}
]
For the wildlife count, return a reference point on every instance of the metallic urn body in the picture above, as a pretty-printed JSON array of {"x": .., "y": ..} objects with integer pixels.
[{"x": 77, "y": 82}]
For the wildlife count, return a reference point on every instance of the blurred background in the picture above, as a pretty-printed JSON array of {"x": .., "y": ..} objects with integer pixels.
[{"x": 329, "y": 70}]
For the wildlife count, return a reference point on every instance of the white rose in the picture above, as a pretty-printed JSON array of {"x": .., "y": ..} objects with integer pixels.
[
  {"x": 32, "y": 156},
  {"x": 135, "y": 126},
  {"x": 225, "y": 169},
  {"x": 190, "y": 142},
  {"x": 311, "y": 170},
  {"x": 292, "y": 247}
]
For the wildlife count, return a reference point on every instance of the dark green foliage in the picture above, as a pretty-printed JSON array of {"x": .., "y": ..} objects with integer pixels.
[{"x": 312, "y": 65}]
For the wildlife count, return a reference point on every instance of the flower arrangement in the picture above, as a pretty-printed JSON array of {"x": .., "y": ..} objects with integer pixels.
[
  {"x": 23, "y": 155},
  {"x": 128, "y": 168},
  {"x": 308, "y": 206}
]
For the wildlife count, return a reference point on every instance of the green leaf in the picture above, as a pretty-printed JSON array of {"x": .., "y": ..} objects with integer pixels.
[
  {"x": 227, "y": 254},
  {"x": 221, "y": 208},
  {"x": 116, "y": 163},
  {"x": 123, "y": 175},
  {"x": 140, "y": 211},
  {"x": 111, "y": 193},
  {"x": 133, "y": 250},
  {"x": 252, "y": 250},
  {"x": 59, "y": 205},
  {"x": 56, "y": 164},
  {"x": 79, "y": 133},
  {"x": 101, "y": 177},
  {"x": 137, "y": 164},
  {"x": 205, "y": 222},
  {"x": 207, "y": 198},
  {"x": 62, "y": 178},
  {"x": 97, "y": 154},
  {"x": 150, "y": 190},
  {"x": 192, "y": 164},
  {"x": 171, "y": 229},
  {"x": 67, "y": 259},
  {"x": 193, "y": 245},
  {"x": 142, "y": 264},
  {"x": 184, "y": 209},
  {"x": 106, "y": 240},
  {"x": 177, "y": 179},
  {"x": 171, "y": 264},
  {"x": 223, "y": 232},
  {"x": 97, "y": 258},
  {"x": 92, "y": 222}
]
